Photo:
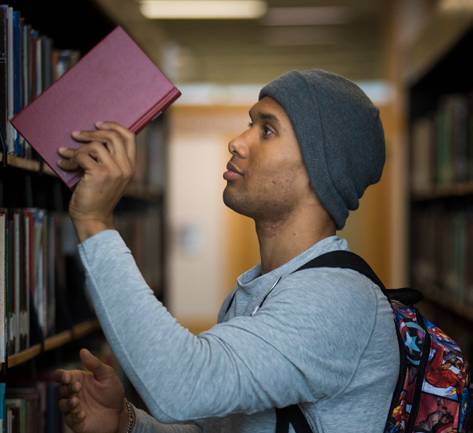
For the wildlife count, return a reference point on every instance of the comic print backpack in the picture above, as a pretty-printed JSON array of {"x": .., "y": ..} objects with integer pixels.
[{"x": 434, "y": 391}]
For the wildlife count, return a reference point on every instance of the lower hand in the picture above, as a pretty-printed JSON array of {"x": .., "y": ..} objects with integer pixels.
[
  {"x": 107, "y": 158},
  {"x": 91, "y": 401}
]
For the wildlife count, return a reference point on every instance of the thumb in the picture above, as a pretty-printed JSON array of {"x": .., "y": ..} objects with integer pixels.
[{"x": 99, "y": 369}]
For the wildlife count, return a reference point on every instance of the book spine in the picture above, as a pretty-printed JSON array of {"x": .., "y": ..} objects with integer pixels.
[
  {"x": 2, "y": 407},
  {"x": 2, "y": 284},
  {"x": 25, "y": 87},
  {"x": 17, "y": 275},
  {"x": 4, "y": 81},
  {"x": 27, "y": 273},
  {"x": 39, "y": 68},
  {"x": 11, "y": 132},
  {"x": 23, "y": 300},
  {"x": 49, "y": 264},
  {"x": 157, "y": 109},
  {"x": 9, "y": 294},
  {"x": 34, "y": 73},
  {"x": 16, "y": 74},
  {"x": 21, "y": 91}
]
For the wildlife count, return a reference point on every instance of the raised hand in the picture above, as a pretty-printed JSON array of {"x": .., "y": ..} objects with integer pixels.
[
  {"x": 92, "y": 401},
  {"x": 107, "y": 157}
]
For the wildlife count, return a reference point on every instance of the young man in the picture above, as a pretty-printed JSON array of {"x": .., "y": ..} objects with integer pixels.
[{"x": 324, "y": 338}]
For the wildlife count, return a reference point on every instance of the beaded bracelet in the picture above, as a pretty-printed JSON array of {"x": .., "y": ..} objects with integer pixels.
[{"x": 131, "y": 416}]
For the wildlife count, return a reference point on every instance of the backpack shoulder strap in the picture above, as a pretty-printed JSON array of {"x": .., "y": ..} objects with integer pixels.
[
  {"x": 291, "y": 415},
  {"x": 344, "y": 259},
  {"x": 351, "y": 260}
]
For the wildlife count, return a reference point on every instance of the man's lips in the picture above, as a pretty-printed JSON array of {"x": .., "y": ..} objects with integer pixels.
[
  {"x": 232, "y": 173},
  {"x": 233, "y": 167}
]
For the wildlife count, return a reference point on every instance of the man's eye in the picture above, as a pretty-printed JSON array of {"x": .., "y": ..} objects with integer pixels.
[{"x": 266, "y": 131}]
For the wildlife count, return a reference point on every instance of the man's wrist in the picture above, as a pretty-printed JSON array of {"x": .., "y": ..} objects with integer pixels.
[
  {"x": 127, "y": 418},
  {"x": 87, "y": 228}
]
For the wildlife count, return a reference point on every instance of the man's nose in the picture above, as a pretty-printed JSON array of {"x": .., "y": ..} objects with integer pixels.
[
  {"x": 231, "y": 146},
  {"x": 237, "y": 146}
]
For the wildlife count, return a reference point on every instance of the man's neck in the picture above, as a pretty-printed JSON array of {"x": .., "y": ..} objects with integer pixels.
[{"x": 282, "y": 240}]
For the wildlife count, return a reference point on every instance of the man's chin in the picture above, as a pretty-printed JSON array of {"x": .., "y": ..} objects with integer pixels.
[
  {"x": 227, "y": 199},
  {"x": 232, "y": 202}
]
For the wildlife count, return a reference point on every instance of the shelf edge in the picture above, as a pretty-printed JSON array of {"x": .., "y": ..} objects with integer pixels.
[{"x": 79, "y": 331}]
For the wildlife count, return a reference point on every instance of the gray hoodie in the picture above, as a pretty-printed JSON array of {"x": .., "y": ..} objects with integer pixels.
[{"x": 324, "y": 338}]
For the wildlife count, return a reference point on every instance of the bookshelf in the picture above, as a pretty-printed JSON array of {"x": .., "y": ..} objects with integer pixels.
[
  {"x": 77, "y": 332},
  {"x": 460, "y": 189},
  {"x": 440, "y": 181},
  {"x": 54, "y": 320}
]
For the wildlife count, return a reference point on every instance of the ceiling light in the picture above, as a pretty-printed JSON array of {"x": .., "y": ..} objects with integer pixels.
[
  {"x": 209, "y": 9},
  {"x": 296, "y": 16},
  {"x": 456, "y": 5},
  {"x": 294, "y": 36}
]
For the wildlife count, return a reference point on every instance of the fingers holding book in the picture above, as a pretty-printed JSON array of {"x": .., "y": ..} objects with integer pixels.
[
  {"x": 86, "y": 157},
  {"x": 123, "y": 137},
  {"x": 112, "y": 144}
]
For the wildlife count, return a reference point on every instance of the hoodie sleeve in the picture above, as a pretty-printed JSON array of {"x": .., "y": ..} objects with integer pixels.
[
  {"x": 297, "y": 348},
  {"x": 145, "y": 423}
]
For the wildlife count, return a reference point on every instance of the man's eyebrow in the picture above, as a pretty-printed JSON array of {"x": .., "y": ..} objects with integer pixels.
[{"x": 266, "y": 116}]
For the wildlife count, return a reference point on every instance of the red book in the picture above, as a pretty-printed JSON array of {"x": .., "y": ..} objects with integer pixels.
[{"x": 114, "y": 81}]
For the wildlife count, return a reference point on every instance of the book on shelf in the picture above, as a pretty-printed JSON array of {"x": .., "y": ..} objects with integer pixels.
[
  {"x": 442, "y": 144},
  {"x": 114, "y": 81},
  {"x": 5, "y": 129},
  {"x": 156, "y": 156},
  {"x": 422, "y": 155},
  {"x": 2, "y": 407},
  {"x": 150, "y": 173},
  {"x": 2, "y": 286}
]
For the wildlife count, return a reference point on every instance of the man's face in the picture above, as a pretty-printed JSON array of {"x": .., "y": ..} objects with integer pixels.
[{"x": 273, "y": 179}]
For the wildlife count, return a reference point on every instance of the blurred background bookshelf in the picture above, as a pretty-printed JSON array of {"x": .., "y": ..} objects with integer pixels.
[{"x": 440, "y": 131}]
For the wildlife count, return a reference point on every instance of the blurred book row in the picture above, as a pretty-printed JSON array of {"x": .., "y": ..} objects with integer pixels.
[
  {"x": 41, "y": 290},
  {"x": 42, "y": 277},
  {"x": 442, "y": 144},
  {"x": 31, "y": 409},
  {"x": 442, "y": 242},
  {"x": 29, "y": 64}
]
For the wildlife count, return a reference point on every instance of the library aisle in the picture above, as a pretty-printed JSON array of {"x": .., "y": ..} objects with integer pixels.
[{"x": 414, "y": 227}]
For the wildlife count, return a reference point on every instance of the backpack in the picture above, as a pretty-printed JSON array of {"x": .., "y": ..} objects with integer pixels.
[{"x": 434, "y": 390}]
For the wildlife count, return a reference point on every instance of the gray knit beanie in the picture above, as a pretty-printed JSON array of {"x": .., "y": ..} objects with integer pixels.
[{"x": 340, "y": 134}]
